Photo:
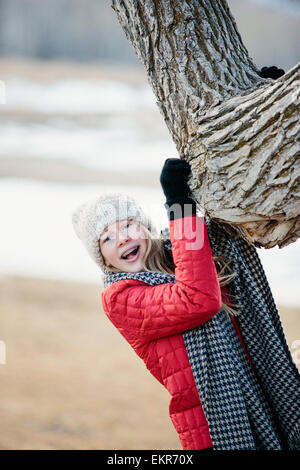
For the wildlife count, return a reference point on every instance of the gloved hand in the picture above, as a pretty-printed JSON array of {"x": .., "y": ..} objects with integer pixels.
[
  {"x": 271, "y": 72},
  {"x": 173, "y": 180}
]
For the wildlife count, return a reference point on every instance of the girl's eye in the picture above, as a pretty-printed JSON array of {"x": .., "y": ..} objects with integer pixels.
[
  {"x": 124, "y": 227},
  {"x": 106, "y": 239}
]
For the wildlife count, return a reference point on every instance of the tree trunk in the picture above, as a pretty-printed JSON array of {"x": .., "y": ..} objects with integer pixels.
[{"x": 239, "y": 132}]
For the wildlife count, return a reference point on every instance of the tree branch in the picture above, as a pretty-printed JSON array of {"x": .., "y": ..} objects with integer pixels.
[{"x": 240, "y": 132}]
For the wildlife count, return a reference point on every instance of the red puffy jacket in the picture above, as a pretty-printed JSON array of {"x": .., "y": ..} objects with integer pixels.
[{"x": 153, "y": 318}]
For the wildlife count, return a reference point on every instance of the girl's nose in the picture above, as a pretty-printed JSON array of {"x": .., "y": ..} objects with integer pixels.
[{"x": 122, "y": 238}]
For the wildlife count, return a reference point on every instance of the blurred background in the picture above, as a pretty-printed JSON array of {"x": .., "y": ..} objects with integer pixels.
[{"x": 78, "y": 118}]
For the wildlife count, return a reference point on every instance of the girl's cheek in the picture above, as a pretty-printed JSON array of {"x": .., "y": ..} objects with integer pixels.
[
  {"x": 134, "y": 234},
  {"x": 141, "y": 234}
]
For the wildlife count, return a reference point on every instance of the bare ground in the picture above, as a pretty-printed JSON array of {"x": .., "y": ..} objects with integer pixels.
[
  {"x": 48, "y": 70},
  {"x": 63, "y": 171}
]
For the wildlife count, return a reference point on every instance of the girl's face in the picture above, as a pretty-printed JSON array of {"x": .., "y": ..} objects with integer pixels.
[{"x": 123, "y": 245}]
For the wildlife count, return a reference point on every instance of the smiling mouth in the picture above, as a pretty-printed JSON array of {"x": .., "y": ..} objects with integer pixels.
[{"x": 132, "y": 255}]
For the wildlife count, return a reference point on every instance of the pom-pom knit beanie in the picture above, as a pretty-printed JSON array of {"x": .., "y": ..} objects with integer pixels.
[{"x": 91, "y": 218}]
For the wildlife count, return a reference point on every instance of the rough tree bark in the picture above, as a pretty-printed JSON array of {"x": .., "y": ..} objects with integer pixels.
[{"x": 239, "y": 132}]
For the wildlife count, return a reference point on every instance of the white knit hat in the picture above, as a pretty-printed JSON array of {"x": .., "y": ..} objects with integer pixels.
[{"x": 91, "y": 218}]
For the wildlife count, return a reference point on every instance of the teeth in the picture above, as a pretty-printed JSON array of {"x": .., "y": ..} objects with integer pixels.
[{"x": 128, "y": 252}]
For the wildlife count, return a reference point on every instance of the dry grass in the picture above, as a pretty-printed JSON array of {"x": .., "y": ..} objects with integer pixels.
[
  {"x": 69, "y": 172},
  {"x": 71, "y": 381},
  {"x": 48, "y": 70}
]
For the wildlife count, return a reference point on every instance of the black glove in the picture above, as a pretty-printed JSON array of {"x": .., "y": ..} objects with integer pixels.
[
  {"x": 173, "y": 180},
  {"x": 271, "y": 72}
]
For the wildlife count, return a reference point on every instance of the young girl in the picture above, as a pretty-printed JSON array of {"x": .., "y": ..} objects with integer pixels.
[{"x": 204, "y": 322}]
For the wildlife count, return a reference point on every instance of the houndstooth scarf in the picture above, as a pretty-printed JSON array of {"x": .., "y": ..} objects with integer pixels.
[{"x": 236, "y": 406}]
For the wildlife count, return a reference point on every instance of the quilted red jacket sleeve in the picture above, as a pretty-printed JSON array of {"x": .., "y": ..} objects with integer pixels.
[{"x": 143, "y": 313}]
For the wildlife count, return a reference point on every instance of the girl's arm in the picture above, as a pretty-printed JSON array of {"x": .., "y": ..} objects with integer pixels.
[{"x": 143, "y": 313}]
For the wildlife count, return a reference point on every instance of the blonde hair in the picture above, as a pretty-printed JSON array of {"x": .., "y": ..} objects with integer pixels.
[{"x": 156, "y": 258}]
